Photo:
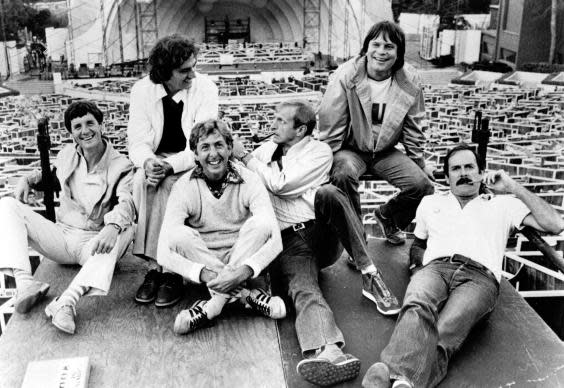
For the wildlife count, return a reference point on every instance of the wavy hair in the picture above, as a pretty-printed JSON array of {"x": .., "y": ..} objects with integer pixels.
[{"x": 169, "y": 53}]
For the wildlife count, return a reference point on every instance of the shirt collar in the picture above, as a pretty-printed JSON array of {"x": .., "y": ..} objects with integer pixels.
[
  {"x": 103, "y": 160},
  {"x": 232, "y": 176}
]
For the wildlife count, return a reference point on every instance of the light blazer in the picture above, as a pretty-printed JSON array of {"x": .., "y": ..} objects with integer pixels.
[
  {"x": 345, "y": 113},
  {"x": 146, "y": 119}
]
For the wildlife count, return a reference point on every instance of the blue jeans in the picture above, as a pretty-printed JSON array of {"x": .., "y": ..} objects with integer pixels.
[
  {"x": 298, "y": 269},
  {"x": 338, "y": 224},
  {"x": 393, "y": 166},
  {"x": 443, "y": 302}
]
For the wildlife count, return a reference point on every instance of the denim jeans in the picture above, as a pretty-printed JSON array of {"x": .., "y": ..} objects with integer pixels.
[
  {"x": 393, "y": 166},
  {"x": 338, "y": 223},
  {"x": 297, "y": 268},
  {"x": 443, "y": 302}
]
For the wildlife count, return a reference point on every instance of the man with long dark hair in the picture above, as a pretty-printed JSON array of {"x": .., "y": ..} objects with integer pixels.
[
  {"x": 374, "y": 102},
  {"x": 164, "y": 107}
]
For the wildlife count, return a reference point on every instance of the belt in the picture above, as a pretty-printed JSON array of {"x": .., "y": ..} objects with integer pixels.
[
  {"x": 296, "y": 227},
  {"x": 461, "y": 259}
]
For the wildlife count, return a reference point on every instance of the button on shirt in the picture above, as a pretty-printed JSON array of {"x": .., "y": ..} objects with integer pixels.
[{"x": 479, "y": 230}]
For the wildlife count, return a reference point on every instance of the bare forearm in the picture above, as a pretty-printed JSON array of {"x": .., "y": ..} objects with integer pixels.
[{"x": 545, "y": 215}]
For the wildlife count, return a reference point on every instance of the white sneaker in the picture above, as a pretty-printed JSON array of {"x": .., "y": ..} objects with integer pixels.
[{"x": 62, "y": 316}]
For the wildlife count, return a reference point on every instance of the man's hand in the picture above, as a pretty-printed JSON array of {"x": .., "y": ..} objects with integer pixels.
[
  {"x": 230, "y": 278},
  {"x": 499, "y": 182},
  {"x": 207, "y": 275},
  {"x": 105, "y": 240},
  {"x": 21, "y": 191},
  {"x": 238, "y": 148},
  {"x": 155, "y": 171},
  {"x": 429, "y": 171}
]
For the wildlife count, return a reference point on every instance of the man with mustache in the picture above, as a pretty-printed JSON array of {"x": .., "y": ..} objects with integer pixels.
[
  {"x": 219, "y": 229},
  {"x": 373, "y": 102},
  {"x": 460, "y": 239},
  {"x": 313, "y": 216},
  {"x": 164, "y": 107},
  {"x": 93, "y": 225}
]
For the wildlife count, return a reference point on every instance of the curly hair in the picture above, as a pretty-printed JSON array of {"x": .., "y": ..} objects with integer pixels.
[
  {"x": 206, "y": 128},
  {"x": 169, "y": 53},
  {"x": 393, "y": 33},
  {"x": 79, "y": 109}
]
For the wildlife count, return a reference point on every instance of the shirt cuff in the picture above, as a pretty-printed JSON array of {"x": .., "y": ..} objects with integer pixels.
[{"x": 194, "y": 271}]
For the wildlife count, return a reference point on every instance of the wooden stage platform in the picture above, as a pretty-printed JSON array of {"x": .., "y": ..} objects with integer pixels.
[{"x": 132, "y": 345}]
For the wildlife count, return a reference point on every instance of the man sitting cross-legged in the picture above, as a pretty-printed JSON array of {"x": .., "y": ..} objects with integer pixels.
[
  {"x": 94, "y": 221},
  {"x": 313, "y": 216},
  {"x": 460, "y": 239},
  {"x": 221, "y": 229}
]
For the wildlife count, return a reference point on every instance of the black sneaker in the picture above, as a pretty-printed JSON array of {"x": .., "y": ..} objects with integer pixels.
[
  {"x": 148, "y": 290},
  {"x": 374, "y": 288},
  {"x": 393, "y": 234},
  {"x": 269, "y": 306},
  {"x": 192, "y": 319},
  {"x": 170, "y": 291}
]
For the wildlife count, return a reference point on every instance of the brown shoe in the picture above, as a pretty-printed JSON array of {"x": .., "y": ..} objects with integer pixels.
[{"x": 30, "y": 295}]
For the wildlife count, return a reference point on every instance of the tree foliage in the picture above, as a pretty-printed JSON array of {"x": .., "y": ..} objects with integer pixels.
[{"x": 17, "y": 16}]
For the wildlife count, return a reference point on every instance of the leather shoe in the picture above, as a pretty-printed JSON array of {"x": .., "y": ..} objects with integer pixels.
[
  {"x": 170, "y": 290},
  {"x": 148, "y": 290}
]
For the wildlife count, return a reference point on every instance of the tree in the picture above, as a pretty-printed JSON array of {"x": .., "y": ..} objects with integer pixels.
[{"x": 553, "y": 17}]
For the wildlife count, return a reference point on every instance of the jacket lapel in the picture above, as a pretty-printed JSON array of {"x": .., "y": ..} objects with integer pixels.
[{"x": 400, "y": 98}]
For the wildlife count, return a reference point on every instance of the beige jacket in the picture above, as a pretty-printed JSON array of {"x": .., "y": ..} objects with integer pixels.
[{"x": 345, "y": 112}]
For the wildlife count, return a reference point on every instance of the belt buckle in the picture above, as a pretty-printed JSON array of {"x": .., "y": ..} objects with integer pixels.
[{"x": 299, "y": 226}]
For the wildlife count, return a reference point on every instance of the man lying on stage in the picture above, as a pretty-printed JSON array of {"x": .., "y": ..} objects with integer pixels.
[
  {"x": 313, "y": 216},
  {"x": 221, "y": 229},
  {"x": 460, "y": 239},
  {"x": 94, "y": 221}
]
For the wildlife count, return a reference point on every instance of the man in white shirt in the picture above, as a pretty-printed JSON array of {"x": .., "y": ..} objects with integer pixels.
[
  {"x": 460, "y": 239},
  {"x": 94, "y": 221},
  {"x": 313, "y": 216},
  {"x": 164, "y": 107}
]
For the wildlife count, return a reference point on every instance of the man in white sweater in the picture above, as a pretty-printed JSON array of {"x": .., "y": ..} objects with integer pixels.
[{"x": 221, "y": 230}]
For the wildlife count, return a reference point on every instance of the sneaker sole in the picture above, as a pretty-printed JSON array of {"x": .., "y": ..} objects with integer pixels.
[
  {"x": 25, "y": 305},
  {"x": 50, "y": 314},
  {"x": 325, "y": 373},
  {"x": 383, "y": 312}
]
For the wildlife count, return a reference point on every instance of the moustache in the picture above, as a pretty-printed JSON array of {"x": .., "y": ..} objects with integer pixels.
[{"x": 465, "y": 181}]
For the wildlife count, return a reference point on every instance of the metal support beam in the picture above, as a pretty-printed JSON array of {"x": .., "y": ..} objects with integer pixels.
[
  {"x": 312, "y": 24},
  {"x": 147, "y": 25}
]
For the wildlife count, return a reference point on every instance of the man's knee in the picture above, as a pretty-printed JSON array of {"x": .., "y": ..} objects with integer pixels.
[
  {"x": 327, "y": 194},
  {"x": 420, "y": 187},
  {"x": 9, "y": 204}
]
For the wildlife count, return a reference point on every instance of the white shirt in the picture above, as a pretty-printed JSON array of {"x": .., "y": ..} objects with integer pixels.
[
  {"x": 379, "y": 92},
  {"x": 145, "y": 127},
  {"x": 292, "y": 189},
  {"x": 86, "y": 187},
  {"x": 479, "y": 231}
]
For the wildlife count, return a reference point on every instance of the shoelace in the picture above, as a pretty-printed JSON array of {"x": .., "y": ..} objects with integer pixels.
[
  {"x": 384, "y": 290},
  {"x": 197, "y": 316},
  {"x": 260, "y": 303}
]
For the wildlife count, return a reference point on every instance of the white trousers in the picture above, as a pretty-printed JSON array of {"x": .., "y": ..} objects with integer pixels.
[{"x": 21, "y": 227}]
